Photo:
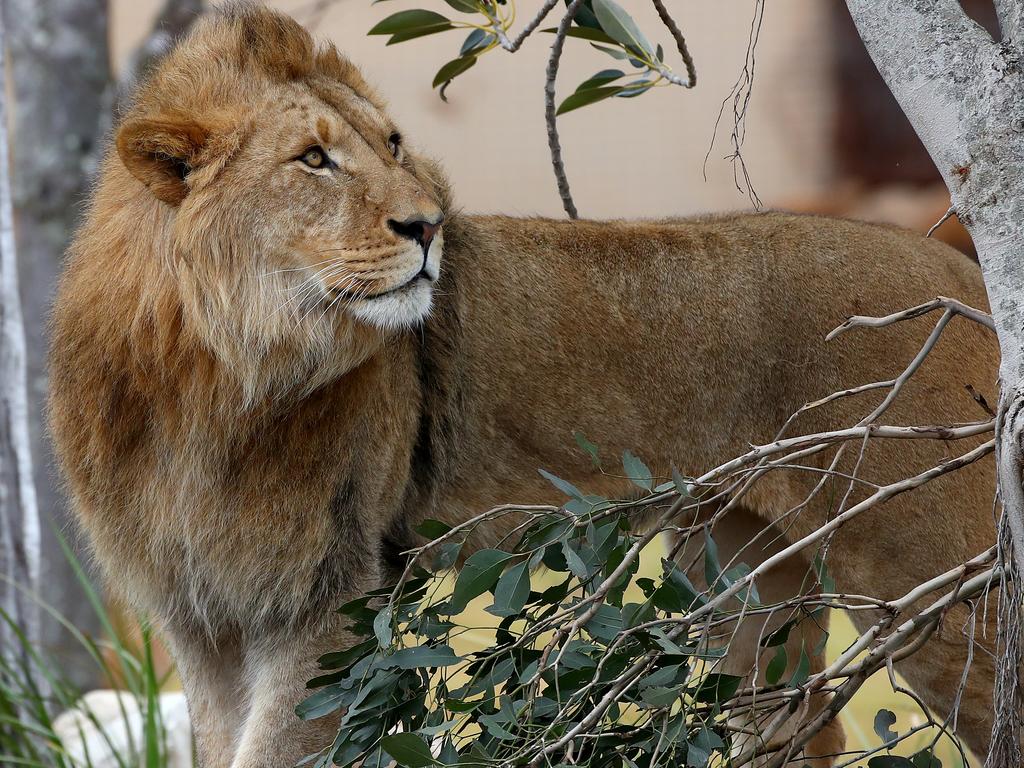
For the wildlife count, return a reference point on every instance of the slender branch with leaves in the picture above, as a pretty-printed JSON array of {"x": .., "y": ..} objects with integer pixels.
[{"x": 604, "y": 24}]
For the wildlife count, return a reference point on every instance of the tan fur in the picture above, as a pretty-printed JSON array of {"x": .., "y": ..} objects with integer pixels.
[{"x": 241, "y": 467}]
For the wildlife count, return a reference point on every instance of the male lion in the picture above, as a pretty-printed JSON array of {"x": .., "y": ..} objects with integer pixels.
[{"x": 277, "y": 346}]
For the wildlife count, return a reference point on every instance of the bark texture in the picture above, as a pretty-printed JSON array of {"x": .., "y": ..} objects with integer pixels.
[
  {"x": 19, "y": 519},
  {"x": 963, "y": 92},
  {"x": 59, "y": 78}
]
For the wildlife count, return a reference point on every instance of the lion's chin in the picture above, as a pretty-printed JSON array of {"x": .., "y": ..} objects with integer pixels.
[{"x": 400, "y": 309}]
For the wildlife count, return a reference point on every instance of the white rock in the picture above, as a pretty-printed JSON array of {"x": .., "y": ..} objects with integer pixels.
[{"x": 106, "y": 724}]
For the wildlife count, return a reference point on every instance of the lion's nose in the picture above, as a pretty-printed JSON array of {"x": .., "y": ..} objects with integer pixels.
[{"x": 420, "y": 230}]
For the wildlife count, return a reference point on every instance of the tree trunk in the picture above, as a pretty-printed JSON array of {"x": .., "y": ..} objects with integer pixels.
[
  {"x": 59, "y": 76},
  {"x": 19, "y": 519},
  {"x": 964, "y": 94}
]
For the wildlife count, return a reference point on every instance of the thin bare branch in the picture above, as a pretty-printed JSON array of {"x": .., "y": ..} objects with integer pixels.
[
  {"x": 550, "y": 114},
  {"x": 681, "y": 46}
]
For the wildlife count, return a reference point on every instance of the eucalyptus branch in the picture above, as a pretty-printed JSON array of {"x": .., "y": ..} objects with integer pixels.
[
  {"x": 681, "y": 46},
  {"x": 550, "y": 114}
]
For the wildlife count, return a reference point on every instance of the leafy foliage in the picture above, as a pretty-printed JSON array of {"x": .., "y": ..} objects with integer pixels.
[
  {"x": 603, "y": 23},
  {"x": 602, "y": 666}
]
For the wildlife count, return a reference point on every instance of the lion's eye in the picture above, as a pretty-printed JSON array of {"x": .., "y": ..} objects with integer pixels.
[
  {"x": 315, "y": 157},
  {"x": 395, "y": 144}
]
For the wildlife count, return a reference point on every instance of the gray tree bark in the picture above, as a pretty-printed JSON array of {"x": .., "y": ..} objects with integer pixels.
[
  {"x": 964, "y": 94},
  {"x": 20, "y": 546},
  {"x": 59, "y": 77}
]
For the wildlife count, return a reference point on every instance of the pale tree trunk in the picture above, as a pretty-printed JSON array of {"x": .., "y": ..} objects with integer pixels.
[
  {"x": 19, "y": 520},
  {"x": 964, "y": 94},
  {"x": 59, "y": 78}
]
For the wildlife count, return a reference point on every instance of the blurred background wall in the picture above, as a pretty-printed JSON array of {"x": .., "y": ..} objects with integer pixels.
[{"x": 820, "y": 122}]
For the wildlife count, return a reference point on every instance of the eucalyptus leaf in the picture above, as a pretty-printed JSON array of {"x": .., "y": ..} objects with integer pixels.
[
  {"x": 466, "y": 6},
  {"x": 593, "y": 34},
  {"x": 422, "y": 656},
  {"x": 890, "y": 761},
  {"x": 620, "y": 25},
  {"x": 803, "y": 669},
  {"x": 636, "y": 470},
  {"x": 479, "y": 574},
  {"x": 563, "y": 485},
  {"x": 884, "y": 720},
  {"x": 408, "y": 749},
  {"x": 453, "y": 69},
  {"x": 777, "y": 666},
  {"x": 581, "y": 440},
  {"x": 717, "y": 687},
  {"x": 432, "y": 529},
  {"x": 407, "y": 21},
  {"x": 476, "y": 40},
  {"x": 614, "y": 53},
  {"x": 512, "y": 591},
  {"x": 382, "y": 626}
]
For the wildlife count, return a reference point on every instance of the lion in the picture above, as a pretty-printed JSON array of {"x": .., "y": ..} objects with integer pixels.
[{"x": 278, "y": 345}]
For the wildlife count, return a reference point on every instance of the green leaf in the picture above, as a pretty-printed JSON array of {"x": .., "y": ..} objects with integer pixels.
[
  {"x": 683, "y": 485},
  {"x": 563, "y": 485},
  {"x": 588, "y": 447},
  {"x": 422, "y": 656},
  {"x": 408, "y": 21},
  {"x": 321, "y": 703},
  {"x": 717, "y": 687},
  {"x": 699, "y": 749},
  {"x": 512, "y": 591},
  {"x": 926, "y": 759},
  {"x": 585, "y": 15},
  {"x": 620, "y": 26},
  {"x": 777, "y": 666},
  {"x": 408, "y": 749},
  {"x": 585, "y": 98},
  {"x": 890, "y": 761},
  {"x": 712, "y": 567},
  {"x": 342, "y": 659},
  {"x": 495, "y": 725},
  {"x": 412, "y": 34},
  {"x": 601, "y": 78},
  {"x": 658, "y": 697},
  {"x": 636, "y": 470},
  {"x": 432, "y": 529},
  {"x": 382, "y": 626},
  {"x": 587, "y": 33},
  {"x": 779, "y": 636},
  {"x": 466, "y": 6},
  {"x": 478, "y": 575},
  {"x": 677, "y": 593},
  {"x": 884, "y": 720},
  {"x": 453, "y": 69},
  {"x": 828, "y": 584},
  {"x": 605, "y": 624},
  {"x": 636, "y": 88},
  {"x": 803, "y": 668},
  {"x": 615, "y": 53},
  {"x": 576, "y": 565},
  {"x": 476, "y": 40}
]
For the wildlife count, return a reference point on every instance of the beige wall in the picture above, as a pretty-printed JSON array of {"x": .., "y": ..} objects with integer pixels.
[{"x": 635, "y": 157}]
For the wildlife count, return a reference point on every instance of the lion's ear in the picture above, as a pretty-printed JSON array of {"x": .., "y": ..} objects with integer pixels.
[{"x": 161, "y": 152}]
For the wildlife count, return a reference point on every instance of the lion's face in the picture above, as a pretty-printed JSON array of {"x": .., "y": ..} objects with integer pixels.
[
  {"x": 338, "y": 207},
  {"x": 302, "y": 197}
]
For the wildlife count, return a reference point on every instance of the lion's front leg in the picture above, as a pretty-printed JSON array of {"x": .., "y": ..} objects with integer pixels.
[
  {"x": 211, "y": 676},
  {"x": 276, "y": 670}
]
